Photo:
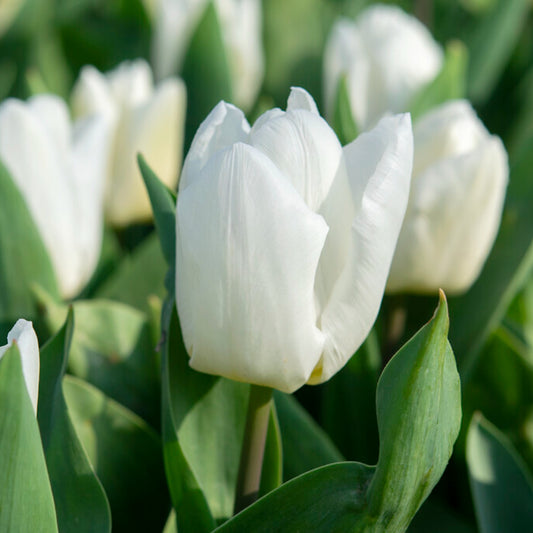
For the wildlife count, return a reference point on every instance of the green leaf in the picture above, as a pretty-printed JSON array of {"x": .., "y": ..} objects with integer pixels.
[
  {"x": 112, "y": 348},
  {"x": 490, "y": 42},
  {"x": 449, "y": 84},
  {"x": 126, "y": 455},
  {"x": 478, "y": 312},
  {"x": 138, "y": 277},
  {"x": 419, "y": 417},
  {"x": 164, "y": 208},
  {"x": 343, "y": 120},
  {"x": 327, "y": 499},
  {"x": 305, "y": 444},
  {"x": 205, "y": 71},
  {"x": 26, "y": 501},
  {"x": 81, "y": 503},
  {"x": 501, "y": 485},
  {"x": 24, "y": 258}
]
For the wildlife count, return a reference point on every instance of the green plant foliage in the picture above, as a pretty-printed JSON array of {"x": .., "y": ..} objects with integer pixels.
[
  {"x": 81, "y": 503},
  {"x": 449, "y": 84},
  {"x": 26, "y": 501},
  {"x": 305, "y": 444},
  {"x": 24, "y": 258},
  {"x": 205, "y": 71},
  {"x": 490, "y": 43},
  {"x": 501, "y": 486},
  {"x": 343, "y": 121},
  {"x": 126, "y": 455}
]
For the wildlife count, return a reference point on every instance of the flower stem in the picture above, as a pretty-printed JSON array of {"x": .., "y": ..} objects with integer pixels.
[{"x": 253, "y": 447}]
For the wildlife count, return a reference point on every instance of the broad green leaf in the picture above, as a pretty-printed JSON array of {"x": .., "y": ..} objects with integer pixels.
[
  {"x": 327, "y": 499},
  {"x": 26, "y": 501},
  {"x": 490, "y": 42},
  {"x": 305, "y": 444},
  {"x": 501, "y": 486},
  {"x": 449, "y": 84},
  {"x": 205, "y": 71},
  {"x": 126, "y": 455},
  {"x": 419, "y": 417},
  {"x": 113, "y": 349},
  {"x": 24, "y": 258},
  {"x": 138, "y": 276},
  {"x": 343, "y": 120},
  {"x": 354, "y": 430},
  {"x": 81, "y": 503},
  {"x": 478, "y": 312}
]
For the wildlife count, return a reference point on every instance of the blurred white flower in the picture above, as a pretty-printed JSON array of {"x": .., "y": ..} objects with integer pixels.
[
  {"x": 59, "y": 170},
  {"x": 460, "y": 175},
  {"x": 284, "y": 241},
  {"x": 386, "y": 55},
  {"x": 145, "y": 119},
  {"x": 240, "y": 20},
  {"x": 24, "y": 336}
]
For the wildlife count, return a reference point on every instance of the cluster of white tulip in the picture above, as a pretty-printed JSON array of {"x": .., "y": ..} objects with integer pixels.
[{"x": 284, "y": 238}]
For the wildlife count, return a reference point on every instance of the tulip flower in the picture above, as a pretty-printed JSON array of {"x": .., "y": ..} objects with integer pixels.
[
  {"x": 284, "y": 241},
  {"x": 59, "y": 171},
  {"x": 460, "y": 174},
  {"x": 240, "y": 21},
  {"x": 144, "y": 119},
  {"x": 24, "y": 335},
  {"x": 387, "y": 57}
]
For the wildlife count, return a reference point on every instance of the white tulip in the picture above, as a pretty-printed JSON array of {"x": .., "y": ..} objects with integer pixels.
[
  {"x": 386, "y": 55},
  {"x": 144, "y": 120},
  {"x": 284, "y": 241},
  {"x": 24, "y": 335},
  {"x": 240, "y": 21},
  {"x": 59, "y": 170},
  {"x": 460, "y": 175}
]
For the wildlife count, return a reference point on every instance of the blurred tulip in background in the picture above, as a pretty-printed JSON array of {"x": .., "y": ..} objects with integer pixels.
[
  {"x": 460, "y": 175},
  {"x": 144, "y": 119},
  {"x": 59, "y": 169}
]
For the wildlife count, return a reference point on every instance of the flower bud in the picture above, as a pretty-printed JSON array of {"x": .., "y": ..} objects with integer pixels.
[
  {"x": 386, "y": 55},
  {"x": 24, "y": 335},
  {"x": 143, "y": 120},
  {"x": 240, "y": 21},
  {"x": 59, "y": 170},
  {"x": 284, "y": 241},
  {"x": 460, "y": 174}
]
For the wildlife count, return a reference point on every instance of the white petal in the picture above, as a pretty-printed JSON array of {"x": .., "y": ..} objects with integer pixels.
[
  {"x": 451, "y": 222},
  {"x": 241, "y": 24},
  {"x": 305, "y": 149},
  {"x": 154, "y": 129},
  {"x": 300, "y": 99},
  {"x": 92, "y": 94},
  {"x": 24, "y": 335},
  {"x": 224, "y": 126},
  {"x": 246, "y": 257},
  {"x": 379, "y": 166},
  {"x": 131, "y": 83}
]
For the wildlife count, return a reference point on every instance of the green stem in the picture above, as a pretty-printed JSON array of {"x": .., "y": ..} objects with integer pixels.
[{"x": 253, "y": 447}]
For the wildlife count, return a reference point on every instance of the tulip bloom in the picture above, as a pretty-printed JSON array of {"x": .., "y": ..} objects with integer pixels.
[
  {"x": 24, "y": 335},
  {"x": 386, "y": 55},
  {"x": 240, "y": 23},
  {"x": 460, "y": 174},
  {"x": 144, "y": 119},
  {"x": 284, "y": 241},
  {"x": 59, "y": 170}
]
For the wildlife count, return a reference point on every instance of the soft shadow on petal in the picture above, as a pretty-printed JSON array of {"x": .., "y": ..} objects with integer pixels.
[
  {"x": 225, "y": 125},
  {"x": 379, "y": 168},
  {"x": 246, "y": 258}
]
